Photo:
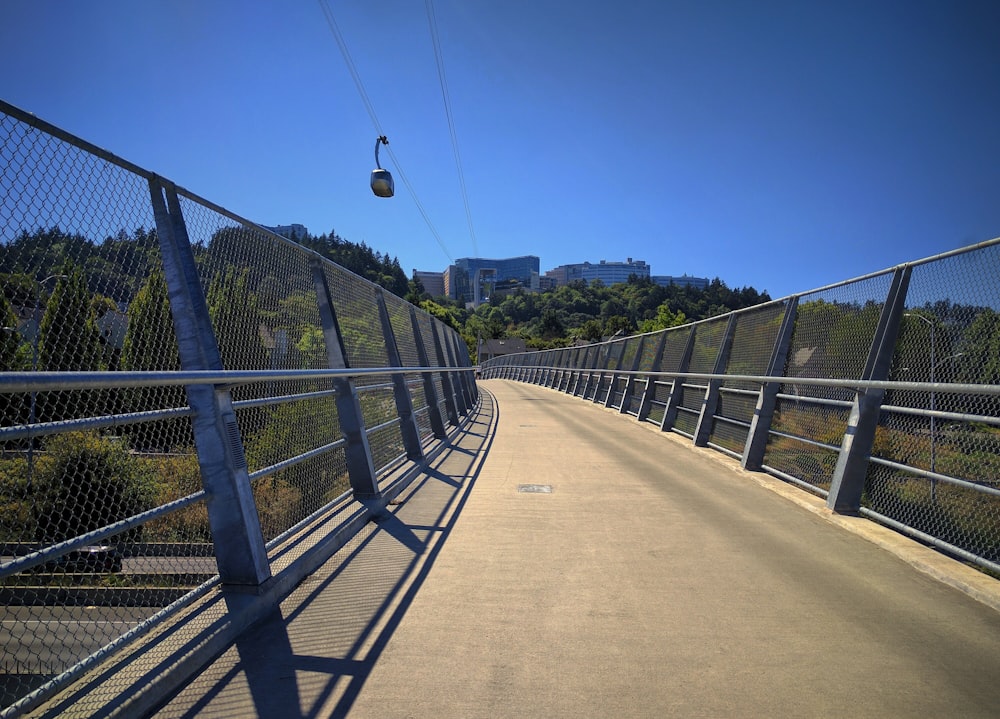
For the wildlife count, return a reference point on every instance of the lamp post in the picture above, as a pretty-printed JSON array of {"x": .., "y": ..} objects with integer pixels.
[
  {"x": 34, "y": 366},
  {"x": 933, "y": 403}
]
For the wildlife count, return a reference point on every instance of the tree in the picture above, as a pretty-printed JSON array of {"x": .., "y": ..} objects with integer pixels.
[
  {"x": 70, "y": 341},
  {"x": 150, "y": 345},
  {"x": 85, "y": 482}
]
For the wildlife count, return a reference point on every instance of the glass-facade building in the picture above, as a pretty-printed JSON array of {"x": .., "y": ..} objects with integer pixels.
[
  {"x": 610, "y": 273},
  {"x": 474, "y": 279}
]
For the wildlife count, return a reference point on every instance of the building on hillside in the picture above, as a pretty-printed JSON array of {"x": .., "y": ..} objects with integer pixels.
[
  {"x": 433, "y": 282},
  {"x": 473, "y": 280},
  {"x": 293, "y": 232},
  {"x": 488, "y": 349},
  {"x": 698, "y": 283},
  {"x": 609, "y": 273}
]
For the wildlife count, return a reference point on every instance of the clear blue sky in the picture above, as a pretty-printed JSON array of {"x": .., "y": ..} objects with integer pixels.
[{"x": 784, "y": 145}]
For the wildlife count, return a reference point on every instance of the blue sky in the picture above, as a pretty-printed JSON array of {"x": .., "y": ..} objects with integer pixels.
[{"x": 784, "y": 145}]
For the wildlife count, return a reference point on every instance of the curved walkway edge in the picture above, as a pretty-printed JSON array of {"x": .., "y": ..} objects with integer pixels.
[{"x": 559, "y": 561}]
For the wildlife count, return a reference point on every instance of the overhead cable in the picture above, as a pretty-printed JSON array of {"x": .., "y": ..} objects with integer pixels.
[
  {"x": 355, "y": 75},
  {"x": 443, "y": 79}
]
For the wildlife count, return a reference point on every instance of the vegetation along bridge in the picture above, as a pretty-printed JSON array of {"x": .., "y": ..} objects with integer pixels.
[{"x": 199, "y": 415}]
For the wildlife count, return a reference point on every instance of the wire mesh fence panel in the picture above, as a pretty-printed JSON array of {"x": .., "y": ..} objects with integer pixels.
[
  {"x": 84, "y": 291},
  {"x": 833, "y": 334},
  {"x": 950, "y": 333},
  {"x": 354, "y": 300},
  {"x": 753, "y": 343},
  {"x": 674, "y": 349}
]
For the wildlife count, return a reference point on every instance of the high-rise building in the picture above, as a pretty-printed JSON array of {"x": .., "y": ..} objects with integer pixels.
[
  {"x": 699, "y": 283},
  {"x": 609, "y": 273},
  {"x": 293, "y": 232},
  {"x": 433, "y": 282},
  {"x": 474, "y": 279}
]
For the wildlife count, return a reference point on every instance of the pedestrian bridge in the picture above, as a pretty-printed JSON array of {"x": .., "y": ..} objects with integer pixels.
[
  {"x": 237, "y": 479},
  {"x": 554, "y": 558}
]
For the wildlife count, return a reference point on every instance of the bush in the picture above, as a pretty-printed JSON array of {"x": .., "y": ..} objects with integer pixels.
[{"x": 85, "y": 481}]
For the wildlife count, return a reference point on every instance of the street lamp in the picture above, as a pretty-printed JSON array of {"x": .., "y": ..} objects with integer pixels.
[
  {"x": 933, "y": 403},
  {"x": 37, "y": 316}
]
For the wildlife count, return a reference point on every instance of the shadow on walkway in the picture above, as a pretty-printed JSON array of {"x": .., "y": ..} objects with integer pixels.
[{"x": 312, "y": 657}]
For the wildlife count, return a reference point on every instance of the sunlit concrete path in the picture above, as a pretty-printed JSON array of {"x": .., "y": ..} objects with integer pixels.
[{"x": 653, "y": 580}]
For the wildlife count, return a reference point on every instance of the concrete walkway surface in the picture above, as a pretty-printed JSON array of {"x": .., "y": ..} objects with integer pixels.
[{"x": 559, "y": 560}]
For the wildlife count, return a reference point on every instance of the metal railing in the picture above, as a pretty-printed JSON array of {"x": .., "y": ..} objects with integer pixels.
[
  {"x": 182, "y": 392},
  {"x": 881, "y": 394}
]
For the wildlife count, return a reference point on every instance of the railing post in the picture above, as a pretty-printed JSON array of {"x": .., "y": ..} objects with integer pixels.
[
  {"x": 612, "y": 383},
  {"x": 357, "y": 452},
  {"x": 650, "y": 391},
  {"x": 849, "y": 475},
  {"x": 430, "y": 393},
  {"x": 232, "y": 513},
  {"x": 470, "y": 375},
  {"x": 464, "y": 395},
  {"x": 630, "y": 382},
  {"x": 676, "y": 388},
  {"x": 400, "y": 391},
  {"x": 767, "y": 399},
  {"x": 710, "y": 405},
  {"x": 446, "y": 379}
]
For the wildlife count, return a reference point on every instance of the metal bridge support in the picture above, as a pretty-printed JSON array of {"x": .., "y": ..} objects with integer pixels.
[
  {"x": 852, "y": 463},
  {"x": 357, "y": 453},
  {"x": 430, "y": 393},
  {"x": 767, "y": 400},
  {"x": 650, "y": 392},
  {"x": 710, "y": 405},
  {"x": 609, "y": 399},
  {"x": 400, "y": 390},
  {"x": 450, "y": 397},
  {"x": 232, "y": 513},
  {"x": 462, "y": 393},
  {"x": 676, "y": 387},
  {"x": 630, "y": 382}
]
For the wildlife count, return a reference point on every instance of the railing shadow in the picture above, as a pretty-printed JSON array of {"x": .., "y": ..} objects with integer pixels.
[{"x": 314, "y": 654}]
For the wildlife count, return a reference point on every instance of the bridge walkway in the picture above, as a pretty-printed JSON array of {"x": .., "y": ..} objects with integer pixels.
[{"x": 654, "y": 580}]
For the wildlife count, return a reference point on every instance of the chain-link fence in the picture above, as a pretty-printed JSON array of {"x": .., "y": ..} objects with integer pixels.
[
  {"x": 104, "y": 515},
  {"x": 881, "y": 394}
]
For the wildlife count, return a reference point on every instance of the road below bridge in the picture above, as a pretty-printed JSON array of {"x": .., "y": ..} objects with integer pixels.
[{"x": 639, "y": 577}]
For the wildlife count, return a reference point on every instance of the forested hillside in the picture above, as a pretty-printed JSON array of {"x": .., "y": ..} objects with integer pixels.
[{"x": 587, "y": 312}]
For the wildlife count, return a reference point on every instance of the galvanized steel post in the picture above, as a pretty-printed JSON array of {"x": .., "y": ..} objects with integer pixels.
[
  {"x": 430, "y": 393},
  {"x": 852, "y": 463},
  {"x": 767, "y": 399},
  {"x": 676, "y": 387},
  {"x": 630, "y": 382},
  {"x": 450, "y": 397},
  {"x": 710, "y": 404},
  {"x": 357, "y": 452},
  {"x": 400, "y": 391},
  {"x": 650, "y": 391},
  {"x": 232, "y": 513}
]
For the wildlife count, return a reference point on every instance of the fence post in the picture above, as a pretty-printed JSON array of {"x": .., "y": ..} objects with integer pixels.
[
  {"x": 446, "y": 379},
  {"x": 400, "y": 390},
  {"x": 630, "y": 382},
  {"x": 767, "y": 399},
  {"x": 430, "y": 394},
  {"x": 357, "y": 452},
  {"x": 232, "y": 513},
  {"x": 464, "y": 394},
  {"x": 650, "y": 392},
  {"x": 849, "y": 475},
  {"x": 676, "y": 389},
  {"x": 609, "y": 399},
  {"x": 710, "y": 405}
]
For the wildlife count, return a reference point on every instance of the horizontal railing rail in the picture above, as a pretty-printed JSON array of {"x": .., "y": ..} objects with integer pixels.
[
  {"x": 171, "y": 372},
  {"x": 880, "y": 393}
]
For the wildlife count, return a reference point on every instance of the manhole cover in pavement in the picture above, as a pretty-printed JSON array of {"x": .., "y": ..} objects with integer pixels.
[{"x": 535, "y": 488}]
